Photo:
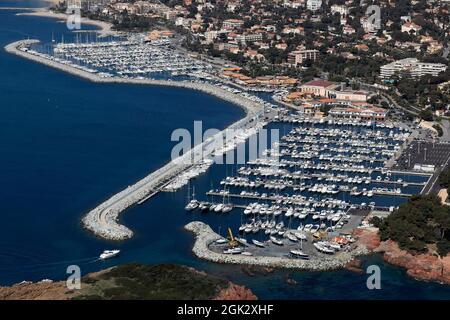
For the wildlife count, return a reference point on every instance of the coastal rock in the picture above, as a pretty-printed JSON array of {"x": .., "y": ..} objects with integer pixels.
[
  {"x": 37, "y": 291},
  {"x": 354, "y": 266},
  {"x": 235, "y": 292},
  {"x": 368, "y": 237},
  {"x": 137, "y": 281},
  {"x": 252, "y": 270},
  {"x": 426, "y": 267},
  {"x": 422, "y": 266}
]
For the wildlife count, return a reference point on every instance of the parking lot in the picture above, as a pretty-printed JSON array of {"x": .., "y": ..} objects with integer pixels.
[{"x": 423, "y": 152}]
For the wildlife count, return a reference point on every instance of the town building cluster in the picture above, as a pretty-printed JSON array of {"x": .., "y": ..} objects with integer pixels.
[{"x": 283, "y": 44}]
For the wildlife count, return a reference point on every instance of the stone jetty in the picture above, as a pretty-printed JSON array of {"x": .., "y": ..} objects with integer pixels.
[
  {"x": 103, "y": 220},
  {"x": 206, "y": 236}
]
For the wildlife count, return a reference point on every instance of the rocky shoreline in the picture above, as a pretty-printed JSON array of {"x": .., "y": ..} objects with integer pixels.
[
  {"x": 204, "y": 236},
  {"x": 143, "y": 282},
  {"x": 426, "y": 267}
]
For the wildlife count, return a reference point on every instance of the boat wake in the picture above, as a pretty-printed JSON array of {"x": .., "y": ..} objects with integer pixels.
[{"x": 41, "y": 267}]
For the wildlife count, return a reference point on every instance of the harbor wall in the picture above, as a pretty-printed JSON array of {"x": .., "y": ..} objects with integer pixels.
[
  {"x": 103, "y": 220},
  {"x": 247, "y": 105},
  {"x": 204, "y": 236}
]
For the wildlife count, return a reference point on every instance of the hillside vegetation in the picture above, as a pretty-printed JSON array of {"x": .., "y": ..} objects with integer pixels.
[
  {"x": 418, "y": 225},
  {"x": 167, "y": 281}
]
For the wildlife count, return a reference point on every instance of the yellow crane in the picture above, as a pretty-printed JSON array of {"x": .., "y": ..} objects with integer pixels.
[{"x": 233, "y": 243}]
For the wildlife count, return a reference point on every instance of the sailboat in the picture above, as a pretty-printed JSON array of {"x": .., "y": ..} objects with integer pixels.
[
  {"x": 299, "y": 252},
  {"x": 227, "y": 207},
  {"x": 193, "y": 203}
]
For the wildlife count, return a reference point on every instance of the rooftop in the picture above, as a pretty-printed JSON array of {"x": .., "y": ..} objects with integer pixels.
[{"x": 319, "y": 83}]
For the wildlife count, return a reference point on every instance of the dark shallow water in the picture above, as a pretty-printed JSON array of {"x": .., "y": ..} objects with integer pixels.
[{"x": 68, "y": 144}]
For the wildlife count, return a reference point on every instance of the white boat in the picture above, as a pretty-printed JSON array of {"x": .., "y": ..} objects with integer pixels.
[
  {"x": 291, "y": 237},
  {"x": 276, "y": 241},
  {"x": 300, "y": 254},
  {"x": 258, "y": 243},
  {"x": 233, "y": 251},
  {"x": 302, "y": 215},
  {"x": 109, "y": 254},
  {"x": 289, "y": 213},
  {"x": 334, "y": 246},
  {"x": 301, "y": 236},
  {"x": 193, "y": 204},
  {"x": 221, "y": 241},
  {"x": 320, "y": 247},
  {"x": 227, "y": 208},
  {"x": 242, "y": 241}
]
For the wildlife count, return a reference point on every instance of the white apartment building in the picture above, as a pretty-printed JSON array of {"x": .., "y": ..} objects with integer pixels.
[
  {"x": 370, "y": 26},
  {"x": 313, "y": 5},
  {"x": 412, "y": 66},
  {"x": 297, "y": 57},
  {"x": 294, "y": 4},
  {"x": 249, "y": 37},
  {"x": 232, "y": 23},
  {"x": 341, "y": 9}
]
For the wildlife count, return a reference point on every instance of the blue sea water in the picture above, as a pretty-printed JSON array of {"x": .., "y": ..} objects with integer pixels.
[{"x": 67, "y": 144}]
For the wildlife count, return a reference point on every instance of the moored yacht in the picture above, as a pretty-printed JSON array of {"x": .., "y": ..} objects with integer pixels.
[
  {"x": 193, "y": 204},
  {"x": 258, "y": 243}
]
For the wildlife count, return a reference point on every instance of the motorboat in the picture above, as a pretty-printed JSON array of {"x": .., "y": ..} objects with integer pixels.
[
  {"x": 107, "y": 254},
  {"x": 258, "y": 243},
  {"x": 299, "y": 254},
  {"x": 193, "y": 204},
  {"x": 276, "y": 241}
]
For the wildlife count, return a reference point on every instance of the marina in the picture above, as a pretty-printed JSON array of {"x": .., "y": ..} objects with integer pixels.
[
  {"x": 288, "y": 256},
  {"x": 130, "y": 58},
  {"x": 103, "y": 220},
  {"x": 309, "y": 181},
  {"x": 85, "y": 147},
  {"x": 305, "y": 186},
  {"x": 316, "y": 184}
]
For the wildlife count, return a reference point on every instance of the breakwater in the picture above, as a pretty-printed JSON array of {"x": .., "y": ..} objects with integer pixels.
[
  {"x": 103, "y": 219},
  {"x": 247, "y": 105},
  {"x": 205, "y": 236}
]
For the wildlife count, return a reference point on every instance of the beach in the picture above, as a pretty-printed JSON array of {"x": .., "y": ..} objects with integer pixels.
[{"x": 105, "y": 28}]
